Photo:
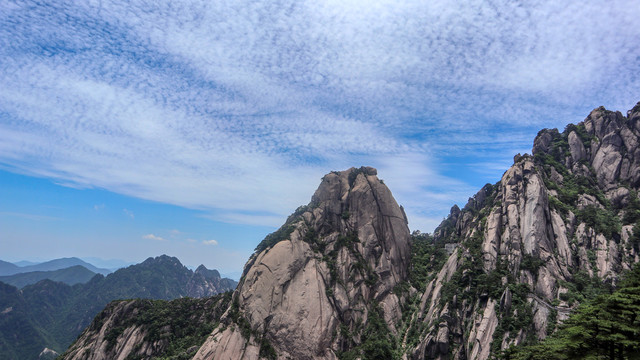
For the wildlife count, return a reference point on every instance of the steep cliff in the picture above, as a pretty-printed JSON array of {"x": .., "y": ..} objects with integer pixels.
[
  {"x": 556, "y": 229},
  {"x": 326, "y": 278}
]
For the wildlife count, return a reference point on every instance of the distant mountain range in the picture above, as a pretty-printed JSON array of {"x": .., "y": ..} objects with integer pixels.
[
  {"x": 77, "y": 274},
  {"x": 50, "y": 314},
  {"x": 7, "y": 268},
  {"x": 111, "y": 264}
]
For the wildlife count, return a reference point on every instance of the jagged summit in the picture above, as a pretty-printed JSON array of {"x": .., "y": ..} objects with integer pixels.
[
  {"x": 320, "y": 273},
  {"x": 215, "y": 274},
  {"x": 606, "y": 140},
  {"x": 162, "y": 259}
]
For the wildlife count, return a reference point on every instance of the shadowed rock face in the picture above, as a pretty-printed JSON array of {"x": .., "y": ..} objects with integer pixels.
[{"x": 343, "y": 252}]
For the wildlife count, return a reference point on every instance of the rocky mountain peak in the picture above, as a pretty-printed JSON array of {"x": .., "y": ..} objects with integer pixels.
[
  {"x": 209, "y": 274},
  {"x": 162, "y": 261},
  {"x": 312, "y": 286},
  {"x": 556, "y": 229}
]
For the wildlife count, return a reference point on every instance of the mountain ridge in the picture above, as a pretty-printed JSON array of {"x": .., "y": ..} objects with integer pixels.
[
  {"x": 72, "y": 275},
  {"x": 50, "y": 265},
  {"x": 52, "y": 314},
  {"x": 344, "y": 279}
]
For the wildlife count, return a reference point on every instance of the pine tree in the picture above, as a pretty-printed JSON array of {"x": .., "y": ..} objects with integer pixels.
[{"x": 608, "y": 327}]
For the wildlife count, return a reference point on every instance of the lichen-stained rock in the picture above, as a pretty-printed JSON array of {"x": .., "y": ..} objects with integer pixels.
[
  {"x": 228, "y": 344},
  {"x": 336, "y": 257}
]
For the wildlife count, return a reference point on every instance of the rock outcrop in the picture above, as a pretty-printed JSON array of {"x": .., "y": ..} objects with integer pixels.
[
  {"x": 146, "y": 329},
  {"x": 310, "y": 288},
  {"x": 204, "y": 282}
]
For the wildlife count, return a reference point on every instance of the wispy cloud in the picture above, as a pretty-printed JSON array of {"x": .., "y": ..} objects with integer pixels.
[
  {"x": 129, "y": 213},
  {"x": 153, "y": 237},
  {"x": 210, "y": 242},
  {"x": 238, "y": 108}
]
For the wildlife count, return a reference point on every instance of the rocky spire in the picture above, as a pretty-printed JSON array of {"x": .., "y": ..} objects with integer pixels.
[{"x": 333, "y": 262}]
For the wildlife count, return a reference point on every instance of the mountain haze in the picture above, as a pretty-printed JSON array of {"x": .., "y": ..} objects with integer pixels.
[
  {"x": 72, "y": 275},
  {"x": 7, "y": 268}
]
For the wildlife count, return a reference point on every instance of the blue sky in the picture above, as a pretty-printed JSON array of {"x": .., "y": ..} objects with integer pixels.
[{"x": 133, "y": 129}]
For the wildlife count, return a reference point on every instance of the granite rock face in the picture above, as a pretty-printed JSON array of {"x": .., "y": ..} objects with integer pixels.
[
  {"x": 562, "y": 214},
  {"x": 335, "y": 257}
]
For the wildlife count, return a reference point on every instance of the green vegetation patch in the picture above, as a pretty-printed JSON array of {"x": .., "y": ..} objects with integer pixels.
[
  {"x": 583, "y": 288},
  {"x": 427, "y": 258},
  {"x": 275, "y": 237},
  {"x": 518, "y": 317},
  {"x": 177, "y": 326},
  {"x": 377, "y": 340},
  {"x": 603, "y": 221},
  {"x": 607, "y": 327}
]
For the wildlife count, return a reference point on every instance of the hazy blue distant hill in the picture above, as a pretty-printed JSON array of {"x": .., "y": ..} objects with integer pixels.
[
  {"x": 215, "y": 276},
  {"x": 77, "y": 274},
  {"x": 112, "y": 264},
  {"x": 52, "y": 314},
  {"x": 23, "y": 263},
  {"x": 235, "y": 275},
  {"x": 63, "y": 263},
  {"x": 7, "y": 268}
]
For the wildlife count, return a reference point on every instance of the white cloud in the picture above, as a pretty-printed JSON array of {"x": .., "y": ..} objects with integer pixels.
[
  {"x": 210, "y": 242},
  {"x": 153, "y": 237},
  {"x": 425, "y": 194},
  {"x": 238, "y": 108}
]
